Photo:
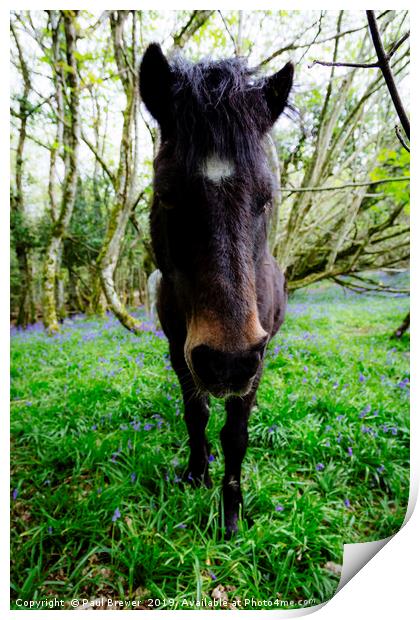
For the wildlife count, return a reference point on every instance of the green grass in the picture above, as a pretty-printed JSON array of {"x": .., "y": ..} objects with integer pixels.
[{"x": 97, "y": 426}]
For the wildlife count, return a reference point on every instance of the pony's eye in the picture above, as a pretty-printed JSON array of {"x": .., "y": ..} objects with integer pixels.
[
  {"x": 165, "y": 202},
  {"x": 263, "y": 204}
]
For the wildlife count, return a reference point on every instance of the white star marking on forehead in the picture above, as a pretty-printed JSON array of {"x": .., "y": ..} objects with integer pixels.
[{"x": 216, "y": 169}]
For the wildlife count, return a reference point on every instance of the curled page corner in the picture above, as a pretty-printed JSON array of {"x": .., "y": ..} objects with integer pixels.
[{"x": 357, "y": 555}]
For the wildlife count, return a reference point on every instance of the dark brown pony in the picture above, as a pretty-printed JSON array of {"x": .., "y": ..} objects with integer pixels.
[{"x": 222, "y": 296}]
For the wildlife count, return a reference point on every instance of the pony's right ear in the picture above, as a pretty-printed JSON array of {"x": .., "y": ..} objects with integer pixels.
[{"x": 155, "y": 83}]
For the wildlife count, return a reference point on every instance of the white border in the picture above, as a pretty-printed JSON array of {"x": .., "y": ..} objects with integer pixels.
[{"x": 387, "y": 586}]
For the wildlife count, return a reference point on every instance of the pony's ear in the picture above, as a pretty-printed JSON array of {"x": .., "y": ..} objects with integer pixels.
[
  {"x": 155, "y": 83},
  {"x": 276, "y": 90}
]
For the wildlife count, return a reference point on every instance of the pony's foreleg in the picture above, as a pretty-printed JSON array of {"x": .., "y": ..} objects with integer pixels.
[
  {"x": 196, "y": 415},
  {"x": 234, "y": 437}
]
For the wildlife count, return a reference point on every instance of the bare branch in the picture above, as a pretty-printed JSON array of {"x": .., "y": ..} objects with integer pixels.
[
  {"x": 331, "y": 188},
  {"x": 401, "y": 139},
  {"x": 363, "y": 65},
  {"x": 232, "y": 38},
  {"x": 196, "y": 20},
  {"x": 98, "y": 157},
  {"x": 357, "y": 65},
  {"x": 383, "y": 61}
]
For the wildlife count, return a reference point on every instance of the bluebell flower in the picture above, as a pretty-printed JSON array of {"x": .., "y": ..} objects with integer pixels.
[{"x": 116, "y": 515}]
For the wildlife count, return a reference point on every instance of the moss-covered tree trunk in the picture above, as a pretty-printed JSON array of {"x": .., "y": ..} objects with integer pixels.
[
  {"x": 26, "y": 309},
  {"x": 71, "y": 138}
]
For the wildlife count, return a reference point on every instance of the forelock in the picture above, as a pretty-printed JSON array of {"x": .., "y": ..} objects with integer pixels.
[{"x": 218, "y": 111}]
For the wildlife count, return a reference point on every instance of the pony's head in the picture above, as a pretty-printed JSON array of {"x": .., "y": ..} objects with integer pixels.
[{"x": 212, "y": 193}]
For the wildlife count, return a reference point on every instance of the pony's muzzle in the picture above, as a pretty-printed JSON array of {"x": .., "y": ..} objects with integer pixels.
[{"x": 223, "y": 372}]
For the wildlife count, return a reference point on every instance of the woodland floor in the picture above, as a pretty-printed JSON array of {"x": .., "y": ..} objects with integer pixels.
[{"x": 98, "y": 446}]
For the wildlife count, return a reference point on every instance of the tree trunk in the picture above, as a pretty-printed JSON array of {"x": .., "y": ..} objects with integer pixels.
[
  {"x": 26, "y": 310},
  {"x": 71, "y": 139}
]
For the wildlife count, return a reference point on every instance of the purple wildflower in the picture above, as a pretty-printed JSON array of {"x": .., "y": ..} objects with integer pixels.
[
  {"x": 99, "y": 491},
  {"x": 211, "y": 458},
  {"x": 279, "y": 508},
  {"x": 181, "y": 526},
  {"x": 340, "y": 417},
  {"x": 147, "y": 427},
  {"x": 319, "y": 466},
  {"x": 350, "y": 451},
  {"x": 133, "y": 477},
  {"x": 362, "y": 378},
  {"x": 380, "y": 469},
  {"x": 305, "y": 369},
  {"x": 93, "y": 427},
  {"x": 347, "y": 503},
  {"x": 116, "y": 515},
  {"x": 50, "y": 530},
  {"x": 15, "y": 494},
  {"x": 212, "y": 575},
  {"x": 327, "y": 443}
]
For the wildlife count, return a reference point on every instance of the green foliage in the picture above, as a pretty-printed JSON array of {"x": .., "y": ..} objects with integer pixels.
[
  {"x": 394, "y": 163},
  {"x": 94, "y": 405}
]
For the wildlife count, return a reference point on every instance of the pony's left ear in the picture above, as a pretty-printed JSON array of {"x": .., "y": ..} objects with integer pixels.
[
  {"x": 276, "y": 90},
  {"x": 155, "y": 83}
]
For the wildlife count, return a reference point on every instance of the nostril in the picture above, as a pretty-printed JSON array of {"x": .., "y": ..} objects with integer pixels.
[
  {"x": 205, "y": 362},
  {"x": 260, "y": 346}
]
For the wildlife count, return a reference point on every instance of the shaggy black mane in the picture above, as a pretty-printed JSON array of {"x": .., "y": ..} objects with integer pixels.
[{"x": 218, "y": 109}]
